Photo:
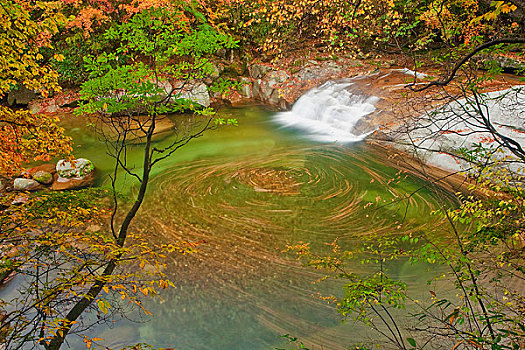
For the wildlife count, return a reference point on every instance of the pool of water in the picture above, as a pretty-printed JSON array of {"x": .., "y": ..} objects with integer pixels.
[{"x": 247, "y": 192}]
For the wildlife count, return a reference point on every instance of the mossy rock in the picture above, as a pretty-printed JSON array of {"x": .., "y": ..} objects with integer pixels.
[{"x": 43, "y": 177}]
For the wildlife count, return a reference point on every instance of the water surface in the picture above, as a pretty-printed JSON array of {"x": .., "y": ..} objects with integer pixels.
[{"x": 247, "y": 192}]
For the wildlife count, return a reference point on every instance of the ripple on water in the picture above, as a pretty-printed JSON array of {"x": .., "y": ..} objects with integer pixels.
[{"x": 240, "y": 291}]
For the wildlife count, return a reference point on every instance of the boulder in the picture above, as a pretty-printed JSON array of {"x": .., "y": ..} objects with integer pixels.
[
  {"x": 73, "y": 183},
  {"x": 509, "y": 65},
  {"x": 276, "y": 78},
  {"x": 22, "y": 184},
  {"x": 77, "y": 169},
  {"x": 20, "y": 96},
  {"x": 260, "y": 90},
  {"x": 166, "y": 87},
  {"x": 43, "y": 177},
  {"x": 48, "y": 168},
  {"x": 268, "y": 89},
  {"x": 194, "y": 90},
  {"x": 217, "y": 70},
  {"x": 246, "y": 89},
  {"x": 257, "y": 71}
]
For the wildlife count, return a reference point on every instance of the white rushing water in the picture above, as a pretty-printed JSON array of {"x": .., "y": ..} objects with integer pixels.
[{"x": 329, "y": 113}]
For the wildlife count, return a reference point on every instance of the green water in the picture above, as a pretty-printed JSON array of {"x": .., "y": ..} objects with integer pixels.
[{"x": 246, "y": 192}]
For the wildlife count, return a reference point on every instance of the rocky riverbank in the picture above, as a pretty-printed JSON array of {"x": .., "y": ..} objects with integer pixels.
[
  {"x": 64, "y": 175},
  {"x": 279, "y": 86}
]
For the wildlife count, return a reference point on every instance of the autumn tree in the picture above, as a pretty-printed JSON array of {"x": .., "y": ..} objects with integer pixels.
[
  {"x": 27, "y": 29},
  {"x": 131, "y": 91}
]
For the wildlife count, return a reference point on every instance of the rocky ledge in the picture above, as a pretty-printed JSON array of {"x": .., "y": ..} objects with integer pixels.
[{"x": 65, "y": 175}]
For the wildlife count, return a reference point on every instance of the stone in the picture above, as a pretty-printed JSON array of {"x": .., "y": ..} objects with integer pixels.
[
  {"x": 276, "y": 78},
  {"x": 43, "y": 177},
  {"x": 20, "y": 96},
  {"x": 246, "y": 88},
  {"x": 166, "y": 88},
  {"x": 217, "y": 70},
  {"x": 47, "y": 167},
  {"x": 194, "y": 91},
  {"x": 509, "y": 65},
  {"x": 260, "y": 90},
  {"x": 76, "y": 169},
  {"x": 20, "y": 200},
  {"x": 257, "y": 71},
  {"x": 43, "y": 106},
  {"x": 73, "y": 183},
  {"x": 268, "y": 89},
  {"x": 22, "y": 184}
]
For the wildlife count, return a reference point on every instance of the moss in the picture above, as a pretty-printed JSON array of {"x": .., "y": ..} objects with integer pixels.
[{"x": 43, "y": 177}]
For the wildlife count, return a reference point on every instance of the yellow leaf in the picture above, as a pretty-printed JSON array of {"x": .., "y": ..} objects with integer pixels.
[{"x": 58, "y": 57}]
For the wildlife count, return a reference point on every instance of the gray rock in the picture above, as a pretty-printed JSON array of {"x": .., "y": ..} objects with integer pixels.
[
  {"x": 20, "y": 96},
  {"x": 257, "y": 71},
  {"x": 268, "y": 88},
  {"x": 260, "y": 90},
  {"x": 276, "y": 78},
  {"x": 43, "y": 177},
  {"x": 76, "y": 169},
  {"x": 247, "y": 88},
  {"x": 41, "y": 106},
  {"x": 508, "y": 64},
  {"x": 166, "y": 87},
  {"x": 195, "y": 91},
  {"x": 21, "y": 184}
]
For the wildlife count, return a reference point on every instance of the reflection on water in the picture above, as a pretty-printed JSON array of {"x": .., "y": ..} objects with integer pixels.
[{"x": 247, "y": 192}]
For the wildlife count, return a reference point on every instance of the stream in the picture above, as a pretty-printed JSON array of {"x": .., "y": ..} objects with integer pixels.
[{"x": 247, "y": 192}]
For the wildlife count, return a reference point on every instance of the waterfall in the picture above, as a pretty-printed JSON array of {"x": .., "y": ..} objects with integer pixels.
[{"x": 329, "y": 113}]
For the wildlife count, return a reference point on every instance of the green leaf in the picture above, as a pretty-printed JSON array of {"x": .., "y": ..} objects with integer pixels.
[
  {"x": 103, "y": 306},
  {"x": 411, "y": 341}
]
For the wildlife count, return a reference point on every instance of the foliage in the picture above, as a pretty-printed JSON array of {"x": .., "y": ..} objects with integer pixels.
[
  {"x": 74, "y": 248},
  {"x": 61, "y": 235},
  {"x": 26, "y": 137},
  {"x": 484, "y": 256},
  {"x": 370, "y": 297},
  {"x": 22, "y": 37},
  {"x": 23, "y": 136},
  {"x": 271, "y": 25}
]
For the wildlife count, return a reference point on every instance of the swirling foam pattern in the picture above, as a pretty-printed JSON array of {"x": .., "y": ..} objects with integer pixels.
[{"x": 240, "y": 291}]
